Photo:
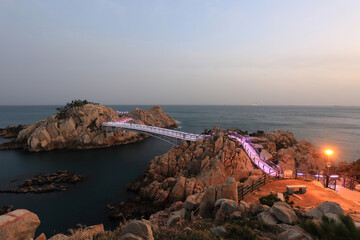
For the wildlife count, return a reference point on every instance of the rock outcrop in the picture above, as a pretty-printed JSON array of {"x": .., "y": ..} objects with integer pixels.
[
  {"x": 11, "y": 131},
  {"x": 290, "y": 153},
  {"x": 49, "y": 182},
  {"x": 80, "y": 128},
  {"x": 191, "y": 167},
  {"x": 20, "y": 224},
  {"x": 327, "y": 208}
]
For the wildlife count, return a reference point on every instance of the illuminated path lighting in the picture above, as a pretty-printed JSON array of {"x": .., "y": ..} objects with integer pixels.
[{"x": 254, "y": 156}]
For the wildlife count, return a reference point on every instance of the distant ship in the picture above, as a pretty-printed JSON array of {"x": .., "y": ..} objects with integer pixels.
[{"x": 254, "y": 104}]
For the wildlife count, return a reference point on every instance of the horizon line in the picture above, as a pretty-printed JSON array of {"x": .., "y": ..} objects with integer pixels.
[{"x": 252, "y": 105}]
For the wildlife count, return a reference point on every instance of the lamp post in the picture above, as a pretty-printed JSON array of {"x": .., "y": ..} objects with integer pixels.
[{"x": 328, "y": 152}]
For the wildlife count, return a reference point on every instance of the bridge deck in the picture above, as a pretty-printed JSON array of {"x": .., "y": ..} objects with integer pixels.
[
  {"x": 249, "y": 149},
  {"x": 155, "y": 130}
]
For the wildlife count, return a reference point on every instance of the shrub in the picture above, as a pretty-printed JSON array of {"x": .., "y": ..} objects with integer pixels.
[
  {"x": 197, "y": 235},
  {"x": 239, "y": 232},
  {"x": 62, "y": 111},
  {"x": 269, "y": 200},
  {"x": 328, "y": 229}
]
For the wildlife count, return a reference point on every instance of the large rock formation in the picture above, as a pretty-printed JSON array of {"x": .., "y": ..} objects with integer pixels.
[
  {"x": 189, "y": 168},
  {"x": 80, "y": 128},
  {"x": 18, "y": 225},
  {"x": 290, "y": 153}
]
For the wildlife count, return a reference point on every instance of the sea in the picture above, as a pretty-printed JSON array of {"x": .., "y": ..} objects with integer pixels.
[{"x": 109, "y": 170}]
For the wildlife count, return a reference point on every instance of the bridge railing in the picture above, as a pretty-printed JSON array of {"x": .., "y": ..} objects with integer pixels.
[
  {"x": 156, "y": 130},
  {"x": 254, "y": 156}
]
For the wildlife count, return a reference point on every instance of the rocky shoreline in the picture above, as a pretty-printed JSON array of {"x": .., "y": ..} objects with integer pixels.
[
  {"x": 49, "y": 182},
  {"x": 186, "y": 171},
  {"x": 81, "y": 128},
  {"x": 11, "y": 131},
  {"x": 193, "y": 184}
]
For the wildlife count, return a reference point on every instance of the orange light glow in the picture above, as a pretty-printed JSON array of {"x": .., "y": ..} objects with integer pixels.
[{"x": 329, "y": 152}]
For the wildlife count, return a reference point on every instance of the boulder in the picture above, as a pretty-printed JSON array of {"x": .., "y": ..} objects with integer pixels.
[
  {"x": 176, "y": 206},
  {"x": 208, "y": 202},
  {"x": 323, "y": 209},
  {"x": 265, "y": 155},
  {"x": 246, "y": 206},
  {"x": 267, "y": 218},
  {"x": 59, "y": 236},
  {"x": 219, "y": 231},
  {"x": 283, "y": 212},
  {"x": 227, "y": 207},
  {"x": 178, "y": 191},
  {"x": 237, "y": 215},
  {"x": 20, "y": 224},
  {"x": 140, "y": 229},
  {"x": 41, "y": 237},
  {"x": 229, "y": 189},
  {"x": 173, "y": 220},
  {"x": 130, "y": 236},
  {"x": 291, "y": 235},
  {"x": 193, "y": 201}
]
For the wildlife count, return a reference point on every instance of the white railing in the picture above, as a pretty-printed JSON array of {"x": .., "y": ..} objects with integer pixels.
[
  {"x": 254, "y": 156},
  {"x": 155, "y": 130}
]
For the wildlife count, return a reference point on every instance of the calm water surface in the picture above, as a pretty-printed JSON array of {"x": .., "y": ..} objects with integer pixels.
[{"x": 109, "y": 170}]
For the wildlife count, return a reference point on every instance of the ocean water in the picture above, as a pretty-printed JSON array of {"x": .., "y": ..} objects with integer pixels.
[{"x": 109, "y": 170}]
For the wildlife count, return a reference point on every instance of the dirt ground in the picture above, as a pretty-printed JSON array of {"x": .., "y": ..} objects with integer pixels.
[{"x": 314, "y": 196}]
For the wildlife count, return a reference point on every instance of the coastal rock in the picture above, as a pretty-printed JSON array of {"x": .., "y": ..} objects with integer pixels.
[
  {"x": 6, "y": 209},
  {"x": 323, "y": 209},
  {"x": 229, "y": 190},
  {"x": 11, "y": 131},
  {"x": 292, "y": 154},
  {"x": 193, "y": 201},
  {"x": 41, "y": 237},
  {"x": 130, "y": 236},
  {"x": 267, "y": 218},
  {"x": 283, "y": 212},
  {"x": 140, "y": 229},
  {"x": 80, "y": 128},
  {"x": 47, "y": 183},
  {"x": 59, "y": 236},
  {"x": 189, "y": 168},
  {"x": 207, "y": 203},
  {"x": 227, "y": 207},
  {"x": 20, "y": 224},
  {"x": 291, "y": 234}
]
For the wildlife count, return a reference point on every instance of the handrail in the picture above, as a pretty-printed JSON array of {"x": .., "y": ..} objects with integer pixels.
[{"x": 156, "y": 130}]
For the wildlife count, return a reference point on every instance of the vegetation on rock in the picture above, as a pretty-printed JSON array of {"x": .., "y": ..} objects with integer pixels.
[
  {"x": 329, "y": 229},
  {"x": 62, "y": 111},
  {"x": 349, "y": 169}
]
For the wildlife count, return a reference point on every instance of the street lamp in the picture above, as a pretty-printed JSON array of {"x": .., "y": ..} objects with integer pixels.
[{"x": 328, "y": 152}]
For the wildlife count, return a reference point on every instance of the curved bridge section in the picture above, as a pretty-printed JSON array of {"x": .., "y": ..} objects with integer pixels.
[
  {"x": 254, "y": 156},
  {"x": 176, "y": 137},
  {"x": 171, "y": 136}
]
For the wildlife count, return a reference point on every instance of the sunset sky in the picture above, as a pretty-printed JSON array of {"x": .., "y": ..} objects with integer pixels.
[{"x": 301, "y": 52}]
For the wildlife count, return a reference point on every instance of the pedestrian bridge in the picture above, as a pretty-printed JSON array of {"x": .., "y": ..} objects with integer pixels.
[
  {"x": 171, "y": 136},
  {"x": 177, "y": 137}
]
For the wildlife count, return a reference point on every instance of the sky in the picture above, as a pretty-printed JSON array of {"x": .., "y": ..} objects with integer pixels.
[{"x": 279, "y": 52}]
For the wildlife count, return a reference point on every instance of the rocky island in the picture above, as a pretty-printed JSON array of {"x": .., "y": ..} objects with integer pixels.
[
  {"x": 190, "y": 192},
  {"x": 79, "y": 127}
]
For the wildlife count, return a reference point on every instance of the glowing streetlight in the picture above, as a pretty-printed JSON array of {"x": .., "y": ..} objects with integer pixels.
[{"x": 329, "y": 152}]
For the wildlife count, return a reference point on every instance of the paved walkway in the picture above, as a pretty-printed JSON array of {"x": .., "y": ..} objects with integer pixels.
[{"x": 348, "y": 194}]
